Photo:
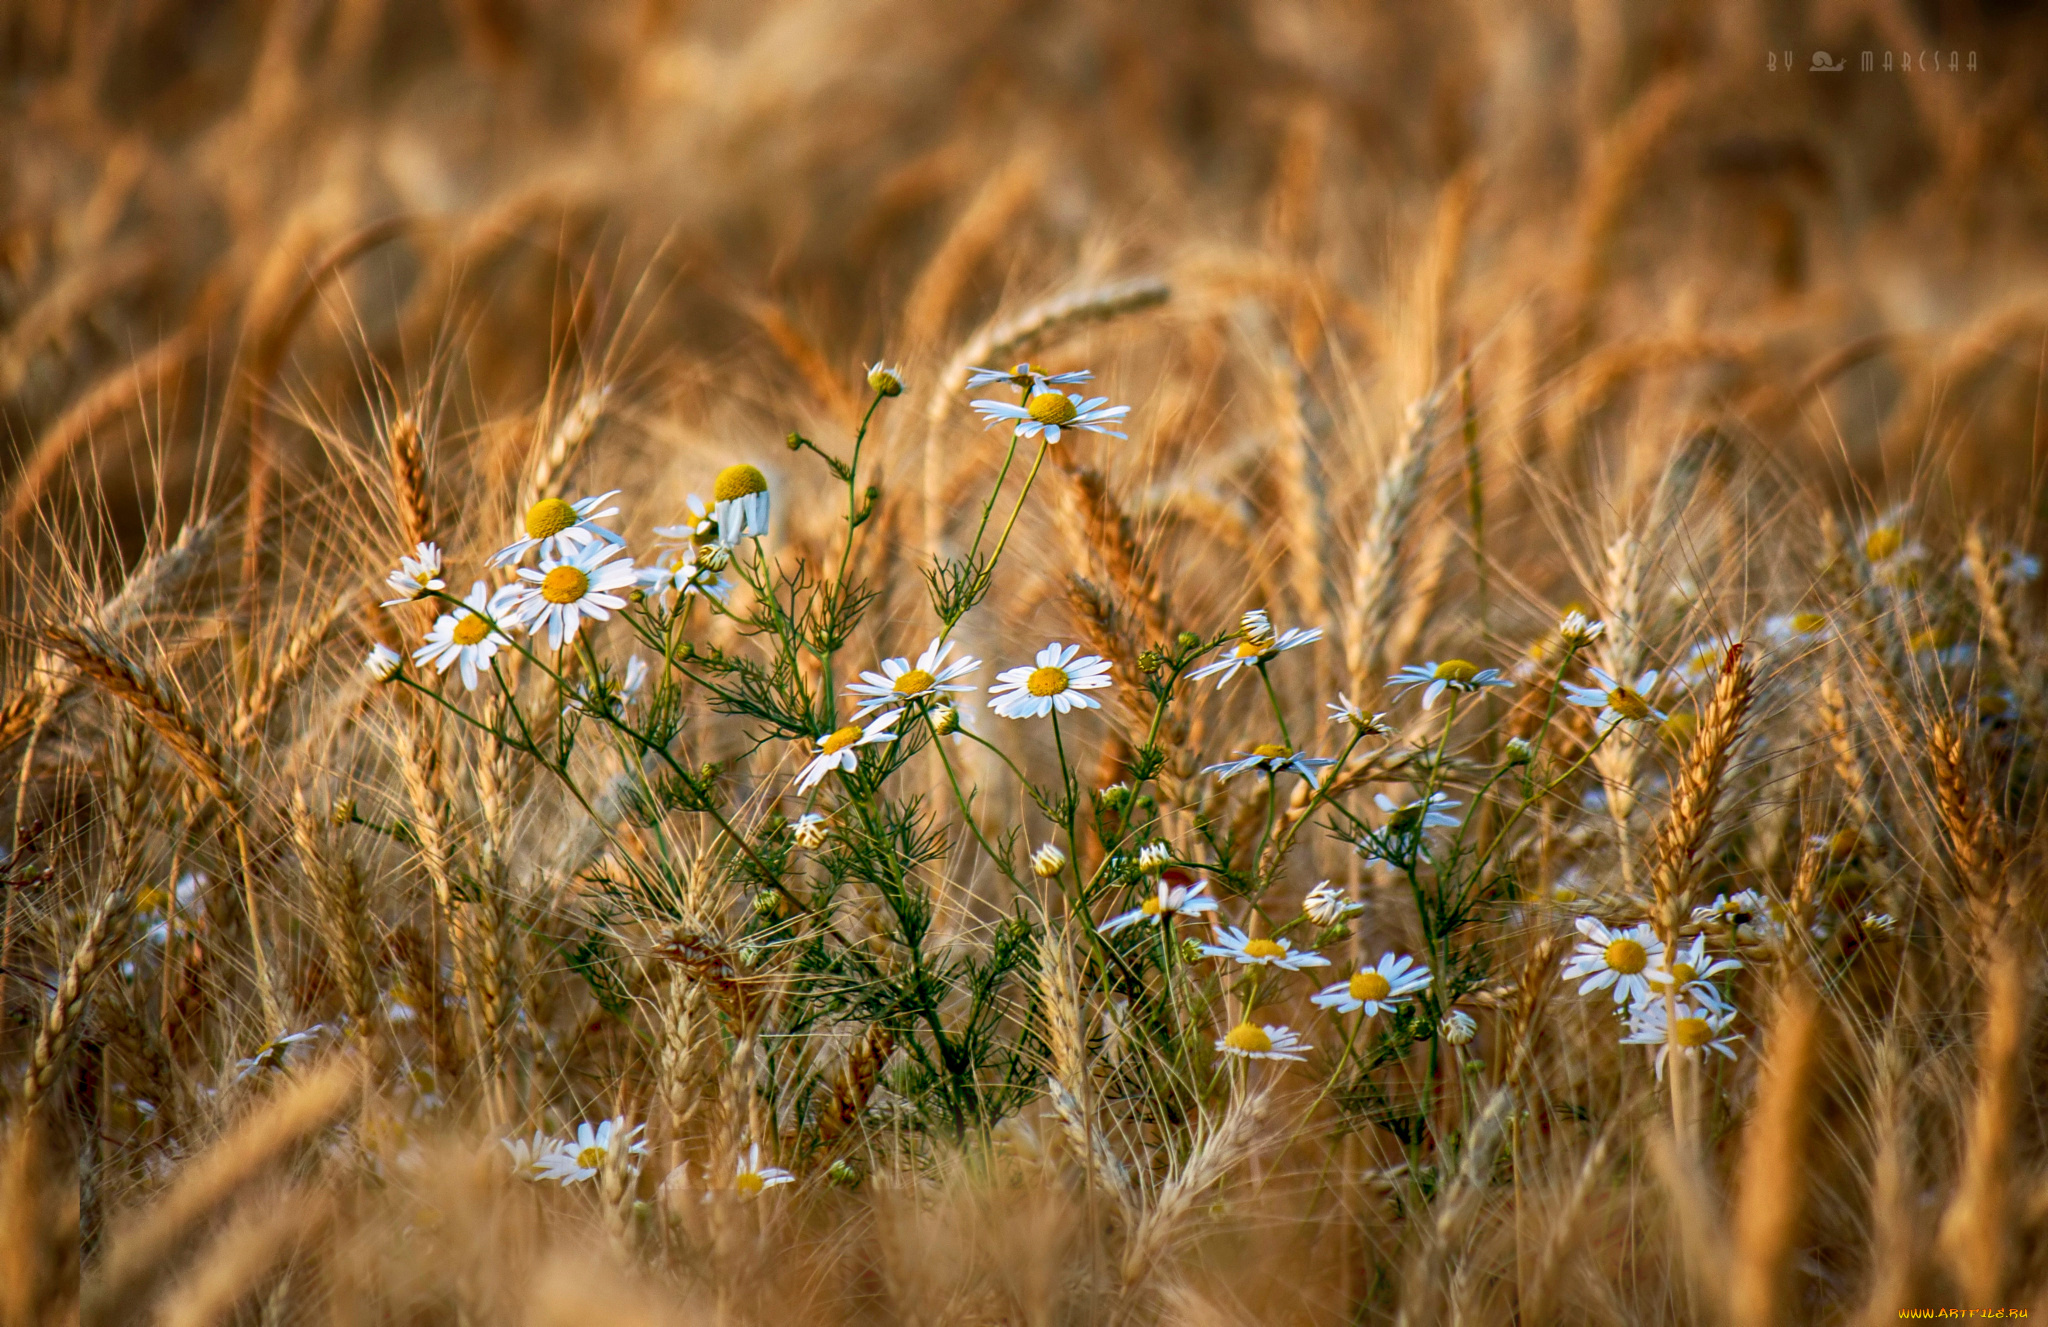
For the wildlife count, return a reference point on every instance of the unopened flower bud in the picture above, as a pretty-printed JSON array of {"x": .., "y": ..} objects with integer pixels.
[
  {"x": 809, "y": 832},
  {"x": 945, "y": 720},
  {"x": 767, "y": 903},
  {"x": 1150, "y": 662},
  {"x": 1188, "y": 640},
  {"x": 750, "y": 956},
  {"x": 886, "y": 379},
  {"x": 1115, "y": 797},
  {"x": 796, "y": 441},
  {"x": 1048, "y": 861},
  {"x": 1458, "y": 1027},
  {"x": 844, "y": 1174},
  {"x": 1519, "y": 752}
]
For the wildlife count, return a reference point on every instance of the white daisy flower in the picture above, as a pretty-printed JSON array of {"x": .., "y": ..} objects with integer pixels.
[
  {"x": 840, "y": 749},
  {"x": 1431, "y": 812},
  {"x": 677, "y": 571},
  {"x": 1457, "y": 1027},
  {"x": 1345, "y": 710},
  {"x": 1450, "y": 675},
  {"x": 1275, "y": 758},
  {"x": 1880, "y": 925},
  {"x": 699, "y": 527},
  {"x": 1233, "y": 943},
  {"x": 1620, "y": 959},
  {"x": 527, "y": 1156},
  {"x": 559, "y": 595},
  {"x": 1048, "y": 412},
  {"x": 556, "y": 527},
  {"x": 1256, "y": 644},
  {"x": 464, "y": 637},
  {"x": 809, "y": 832},
  {"x": 1248, "y": 1042},
  {"x": 1026, "y": 378},
  {"x": 383, "y": 663},
  {"x": 1169, "y": 901},
  {"x": 271, "y": 1055},
  {"x": 750, "y": 1177},
  {"x": 1153, "y": 857},
  {"x": 1048, "y": 861},
  {"x": 582, "y": 1157},
  {"x": 1061, "y": 674},
  {"x": 1698, "y": 1029},
  {"x": 741, "y": 492},
  {"x": 1693, "y": 971},
  {"x": 1615, "y": 701},
  {"x": 900, "y": 680},
  {"x": 1577, "y": 631},
  {"x": 1703, "y": 661},
  {"x": 1327, "y": 905},
  {"x": 1381, "y": 988},
  {"x": 1787, "y": 628},
  {"x": 417, "y": 576}
]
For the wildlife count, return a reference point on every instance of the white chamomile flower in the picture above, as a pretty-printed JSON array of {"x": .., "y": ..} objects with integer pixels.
[
  {"x": 1233, "y": 943},
  {"x": 556, "y": 527},
  {"x": 1048, "y": 861},
  {"x": 1026, "y": 378},
  {"x": 1620, "y": 959},
  {"x": 1256, "y": 644},
  {"x": 417, "y": 576},
  {"x": 465, "y": 637},
  {"x": 1431, "y": 812},
  {"x": 899, "y": 680},
  {"x": 1249, "y": 1042},
  {"x": 1703, "y": 661},
  {"x": 1576, "y": 631},
  {"x": 1381, "y": 988},
  {"x": 699, "y": 528},
  {"x": 741, "y": 492},
  {"x": 559, "y": 595},
  {"x": 1617, "y": 701},
  {"x": 1451, "y": 675},
  {"x": 1153, "y": 857},
  {"x": 1880, "y": 925},
  {"x": 383, "y": 663},
  {"x": 809, "y": 832},
  {"x": 1693, "y": 971},
  {"x": 1061, "y": 673},
  {"x": 1697, "y": 1030},
  {"x": 271, "y": 1054},
  {"x": 677, "y": 571},
  {"x": 582, "y": 1157},
  {"x": 1326, "y": 905},
  {"x": 527, "y": 1155},
  {"x": 750, "y": 1177},
  {"x": 1048, "y": 412},
  {"x": 840, "y": 749},
  {"x": 1168, "y": 901},
  {"x": 1794, "y": 628},
  {"x": 1345, "y": 710},
  {"x": 1275, "y": 758},
  {"x": 1458, "y": 1027}
]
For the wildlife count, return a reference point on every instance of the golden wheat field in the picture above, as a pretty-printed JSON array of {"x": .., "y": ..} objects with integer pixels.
[{"x": 1112, "y": 661}]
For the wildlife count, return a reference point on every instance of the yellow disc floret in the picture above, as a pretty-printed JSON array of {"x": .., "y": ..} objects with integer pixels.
[
  {"x": 548, "y": 517},
  {"x": 749, "y": 1183},
  {"x": 738, "y": 481},
  {"x": 470, "y": 630},
  {"x": 1684, "y": 973},
  {"x": 1370, "y": 985},
  {"x": 1456, "y": 671},
  {"x": 1055, "y": 408},
  {"x": 1264, "y": 948},
  {"x": 1884, "y": 541},
  {"x": 564, "y": 585},
  {"x": 1628, "y": 703},
  {"x": 913, "y": 682},
  {"x": 1047, "y": 681},
  {"x": 1692, "y": 1033},
  {"x": 590, "y": 1158},
  {"x": 1248, "y": 1039},
  {"x": 1626, "y": 956},
  {"x": 1151, "y": 907},
  {"x": 1808, "y": 623},
  {"x": 840, "y": 740},
  {"x": 1273, "y": 750}
]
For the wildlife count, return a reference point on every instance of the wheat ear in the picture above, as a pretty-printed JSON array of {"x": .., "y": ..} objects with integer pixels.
[
  {"x": 1216, "y": 1152},
  {"x": 1375, "y": 579},
  {"x": 96, "y": 948},
  {"x": 571, "y": 434},
  {"x": 343, "y": 913},
  {"x": 409, "y": 484},
  {"x": 1690, "y": 820},
  {"x": 855, "y": 1083}
]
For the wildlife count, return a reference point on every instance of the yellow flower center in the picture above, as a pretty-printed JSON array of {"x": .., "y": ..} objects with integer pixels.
[
  {"x": 564, "y": 585},
  {"x": 1884, "y": 541},
  {"x": 1249, "y": 649},
  {"x": 549, "y": 516},
  {"x": 1456, "y": 670},
  {"x": 1565, "y": 894},
  {"x": 1273, "y": 750},
  {"x": 1151, "y": 907},
  {"x": 1370, "y": 986},
  {"x": 1047, "y": 681},
  {"x": 1251, "y": 1040},
  {"x": 1264, "y": 948},
  {"x": 912, "y": 682},
  {"x": 1692, "y": 1032},
  {"x": 738, "y": 481},
  {"x": 1684, "y": 973},
  {"x": 1628, "y": 703},
  {"x": 470, "y": 630},
  {"x": 840, "y": 740},
  {"x": 1056, "y": 408},
  {"x": 1807, "y": 623},
  {"x": 749, "y": 1183},
  {"x": 1628, "y": 957},
  {"x": 590, "y": 1158}
]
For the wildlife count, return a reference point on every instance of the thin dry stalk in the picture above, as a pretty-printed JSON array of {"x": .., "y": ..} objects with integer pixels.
[
  {"x": 1976, "y": 1234},
  {"x": 301, "y": 649},
  {"x": 1771, "y": 1191}
]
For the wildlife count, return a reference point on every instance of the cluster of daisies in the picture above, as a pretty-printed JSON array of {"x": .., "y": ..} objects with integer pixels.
[
  {"x": 593, "y": 1148},
  {"x": 1666, "y": 1003}
]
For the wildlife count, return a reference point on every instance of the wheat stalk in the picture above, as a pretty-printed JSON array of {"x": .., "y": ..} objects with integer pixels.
[
  {"x": 1976, "y": 1229},
  {"x": 1770, "y": 1193}
]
